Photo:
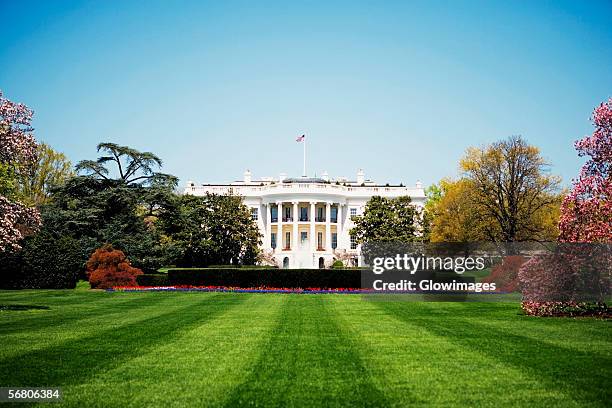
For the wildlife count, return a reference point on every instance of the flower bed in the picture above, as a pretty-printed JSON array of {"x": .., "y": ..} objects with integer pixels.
[
  {"x": 568, "y": 309},
  {"x": 187, "y": 288}
]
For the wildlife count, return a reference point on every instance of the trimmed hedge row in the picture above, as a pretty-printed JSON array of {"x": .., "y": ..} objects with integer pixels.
[
  {"x": 236, "y": 266},
  {"x": 153, "y": 279},
  {"x": 267, "y": 277}
]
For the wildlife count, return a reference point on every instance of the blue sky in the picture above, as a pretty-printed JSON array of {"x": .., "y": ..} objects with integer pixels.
[{"x": 398, "y": 88}]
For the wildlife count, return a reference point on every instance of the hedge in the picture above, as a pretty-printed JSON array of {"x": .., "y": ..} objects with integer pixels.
[
  {"x": 152, "y": 279},
  {"x": 45, "y": 262},
  {"x": 236, "y": 266},
  {"x": 267, "y": 277}
]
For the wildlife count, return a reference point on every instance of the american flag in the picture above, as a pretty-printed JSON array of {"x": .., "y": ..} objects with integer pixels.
[{"x": 300, "y": 138}]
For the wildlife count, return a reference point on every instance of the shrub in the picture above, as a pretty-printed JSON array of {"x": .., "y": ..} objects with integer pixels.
[
  {"x": 240, "y": 266},
  {"x": 567, "y": 282},
  {"x": 505, "y": 274},
  {"x": 267, "y": 277},
  {"x": 158, "y": 279},
  {"x": 109, "y": 267},
  {"x": 338, "y": 264},
  {"x": 44, "y": 262}
]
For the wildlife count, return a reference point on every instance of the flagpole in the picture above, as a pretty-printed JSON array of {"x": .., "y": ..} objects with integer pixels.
[{"x": 304, "y": 173}]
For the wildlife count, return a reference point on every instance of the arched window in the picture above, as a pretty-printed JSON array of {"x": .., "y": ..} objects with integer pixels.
[
  {"x": 321, "y": 263},
  {"x": 286, "y": 262}
]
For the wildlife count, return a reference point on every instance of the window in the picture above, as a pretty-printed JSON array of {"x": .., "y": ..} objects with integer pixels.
[
  {"x": 353, "y": 212},
  {"x": 320, "y": 240},
  {"x": 334, "y": 242},
  {"x": 273, "y": 240},
  {"x": 274, "y": 213},
  {"x": 353, "y": 242},
  {"x": 334, "y": 214},
  {"x": 287, "y": 214},
  {"x": 287, "y": 240},
  {"x": 303, "y": 214},
  {"x": 254, "y": 214},
  {"x": 320, "y": 216},
  {"x": 303, "y": 236}
]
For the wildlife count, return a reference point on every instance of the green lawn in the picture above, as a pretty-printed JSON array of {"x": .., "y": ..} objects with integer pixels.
[{"x": 188, "y": 349}]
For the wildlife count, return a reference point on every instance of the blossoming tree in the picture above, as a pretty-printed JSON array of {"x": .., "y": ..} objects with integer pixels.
[
  {"x": 586, "y": 213},
  {"x": 17, "y": 152},
  {"x": 575, "y": 278}
]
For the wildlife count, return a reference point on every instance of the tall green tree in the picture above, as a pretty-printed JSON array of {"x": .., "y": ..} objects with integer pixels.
[
  {"x": 115, "y": 200},
  {"x": 214, "y": 229},
  {"x": 388, "y": 219},
  {"x": 128, "y": 166}
]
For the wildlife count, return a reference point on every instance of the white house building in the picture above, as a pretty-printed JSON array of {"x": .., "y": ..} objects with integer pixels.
[{"x": 305, "y": 222}]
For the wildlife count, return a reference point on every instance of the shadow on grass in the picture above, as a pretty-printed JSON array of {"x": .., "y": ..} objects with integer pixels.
[
  {"x": 74, "y": 361},
  {"x": 582, "y": 376},
  {"x": 307, "y": 362},
  {"x": 86, "y": 312},
  {"x": 22, "y": 307}
]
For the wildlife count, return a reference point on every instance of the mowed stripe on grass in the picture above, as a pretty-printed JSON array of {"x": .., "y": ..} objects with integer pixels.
[
  {"x": 227, "y": 349},
  {"x": 308, "y": 361}
]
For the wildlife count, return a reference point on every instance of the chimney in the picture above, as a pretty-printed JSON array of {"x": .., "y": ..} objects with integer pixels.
[
  {"x": 325, "y": 175},
  {"x": 247, "y": 176},
  {"x": 360, "y": 176}
]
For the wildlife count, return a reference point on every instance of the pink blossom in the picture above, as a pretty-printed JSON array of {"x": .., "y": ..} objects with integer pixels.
[
  {"x": 586, "y": 212},
  {"x": 17, "y": 148}
]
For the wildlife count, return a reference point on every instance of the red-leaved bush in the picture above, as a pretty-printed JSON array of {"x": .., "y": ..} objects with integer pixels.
[
  {"x": 108, "y": 267},
  {"x": 505, "y": 274}
]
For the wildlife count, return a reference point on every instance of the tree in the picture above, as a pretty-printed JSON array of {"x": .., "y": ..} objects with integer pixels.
[
  {"x": 512, "y": 187},
  {"x": 96, "y": 208},
  {"x": 17, "y": 153},
  {"x": 50, "y": 169},
  {"x": 388, "y": 219},
  {"x": 453, "y": 218},
  {"x": 210, "y": 230},
  {"x": 586, "y": 212},
  {"x": 132, "y": 166}
]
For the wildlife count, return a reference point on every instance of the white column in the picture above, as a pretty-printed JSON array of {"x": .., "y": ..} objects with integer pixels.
[
  {"x": 339, "y": 226},
  {"x": 313, "y": 238},
  {"x": 268, "y": 243},
  {"x": 328, "y": 247},
  {"x": 279, "y": 229},
  {"x": 294, "y": 244}
]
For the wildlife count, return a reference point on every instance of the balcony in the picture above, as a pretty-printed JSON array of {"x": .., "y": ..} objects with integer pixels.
[
  {"x": 320, "y": 219},
  {"x": 304, "y": 219},
  {"x": 334, "y": 219},
  {"x": 274, "y": 219},
  {"x": 287, "y": 219}
]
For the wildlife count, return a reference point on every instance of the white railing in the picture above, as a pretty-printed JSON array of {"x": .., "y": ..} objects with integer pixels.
[{"x": 258, "y": 190}]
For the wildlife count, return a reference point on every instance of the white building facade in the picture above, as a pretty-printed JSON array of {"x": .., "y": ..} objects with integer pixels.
[{"x": 305, "y": 222}]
